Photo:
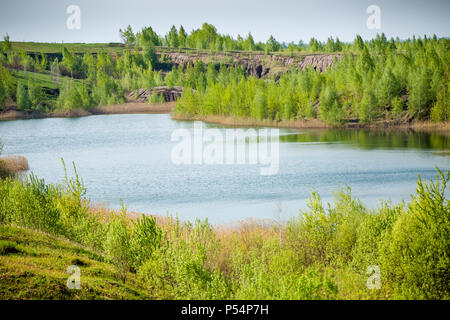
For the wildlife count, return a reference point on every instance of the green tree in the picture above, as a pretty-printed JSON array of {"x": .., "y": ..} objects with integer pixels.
[
  {"x": 35, "y": 94},
  {"x": 150, "y": 56},
  {"x": 6, "y": 43},
  {"x": 272, "y": 45},
  {"x": 182, "y": 35},
  {"x": 172, "y": 38},
  {"x": 127, "y": 36},
  {"x": 367, "y": 107},
  {"x": 23, "y": 100}
]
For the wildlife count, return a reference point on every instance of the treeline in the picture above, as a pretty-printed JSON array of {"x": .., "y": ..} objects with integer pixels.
[
  {"x": 208, "y": 38},
  {"x": 377, "y": 80},
  {"x": 323, "y": 253}
]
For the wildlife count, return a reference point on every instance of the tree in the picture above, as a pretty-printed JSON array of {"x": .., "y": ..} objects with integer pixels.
[
  {"x": 366, "y": 63},
  {"x": 6, "y": 43},
  {"x": 148, "y": 37},
  {"x": 367, "y": 106},
  {"x": 150, "y": 55},
  {"x": 44, "y": 61},
  {"x": 172, "y": 37},
  {"x": 73, "y": 63},
  {"x": 23, "y": 100},
  {"x": 314, "y": 45},
  {"x": 272, "y": 45},
  {"x": 249, "y": 44},
  {"x": 419, "y": 90},
  {"x": 128, "y": 37},
  {"x": 182, "y": 35},
  {"x": 35, "y": 94},
  {"x": 388, "y": 86},
  {"x": 441, "y": 108}
]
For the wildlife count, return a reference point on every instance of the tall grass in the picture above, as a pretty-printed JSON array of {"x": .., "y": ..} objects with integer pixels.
[
  {"x": 323, "y": 253},
  {"x": 11, "y": 165}
]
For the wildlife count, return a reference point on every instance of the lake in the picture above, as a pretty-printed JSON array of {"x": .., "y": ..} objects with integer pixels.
[{"x": 128, "y": 157}]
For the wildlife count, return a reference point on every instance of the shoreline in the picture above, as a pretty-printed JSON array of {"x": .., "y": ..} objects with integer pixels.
[
  {"x": 427, "y": 126},
  {"x": 125, "y": 108},
  {"x": 167, "y": 107}
]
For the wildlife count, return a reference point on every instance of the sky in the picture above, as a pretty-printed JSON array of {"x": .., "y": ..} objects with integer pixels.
[{"x": 286, "y": 20}]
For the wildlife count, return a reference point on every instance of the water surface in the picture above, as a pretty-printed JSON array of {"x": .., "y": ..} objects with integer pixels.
[{"x": 128, "y": 157}]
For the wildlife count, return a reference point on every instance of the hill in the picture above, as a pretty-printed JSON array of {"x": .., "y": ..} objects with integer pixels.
[{"x": 33, "y": 266}]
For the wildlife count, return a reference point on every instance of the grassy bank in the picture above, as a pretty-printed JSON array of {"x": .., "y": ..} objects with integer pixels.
[
  {"x": 33, "y": 266},
  {"x": 323, "y": 253}
]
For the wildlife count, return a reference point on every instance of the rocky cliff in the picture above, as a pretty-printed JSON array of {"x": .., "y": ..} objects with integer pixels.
[{"x": 257, "y": 65}]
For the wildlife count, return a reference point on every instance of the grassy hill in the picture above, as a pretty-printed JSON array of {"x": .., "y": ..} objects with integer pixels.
[{"x": 33, "y": 266}]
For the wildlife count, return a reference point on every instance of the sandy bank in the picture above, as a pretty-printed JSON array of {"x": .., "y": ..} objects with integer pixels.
[{"x": 126, "y": 108}]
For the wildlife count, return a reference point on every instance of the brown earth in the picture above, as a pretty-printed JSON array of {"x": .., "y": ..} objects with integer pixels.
[
  {"x": 126, "y": 108},
  {"x": 258, "y": 65}
]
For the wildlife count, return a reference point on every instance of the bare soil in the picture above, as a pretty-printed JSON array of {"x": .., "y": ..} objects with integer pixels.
[{"x": 126, "y": 108}]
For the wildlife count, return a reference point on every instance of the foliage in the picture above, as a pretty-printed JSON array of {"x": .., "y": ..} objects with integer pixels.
[
  {"x": 372, "y": 81},
  {"x": 323, "y": 253}
]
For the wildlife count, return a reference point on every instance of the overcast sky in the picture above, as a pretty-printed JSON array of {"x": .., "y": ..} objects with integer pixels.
[{"x": 287, "y": 20}]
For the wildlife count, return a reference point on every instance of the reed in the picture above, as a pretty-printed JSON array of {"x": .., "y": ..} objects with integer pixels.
[{"x": 14, "y": 164}]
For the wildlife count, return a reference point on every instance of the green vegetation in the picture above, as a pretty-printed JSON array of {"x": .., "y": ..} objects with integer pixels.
[
  {"x": 324, "y": 253},
  {"x": 373, "y": 80},
  {"x": 381, "y": 81},
  {"x": 35, "y": 268}
]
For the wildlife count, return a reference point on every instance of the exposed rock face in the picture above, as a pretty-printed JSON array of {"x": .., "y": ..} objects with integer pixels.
[
  {"x": 142, "y": 95},
  {"x": 319, "y": 62},
  {"x": 257, "y": 65}
]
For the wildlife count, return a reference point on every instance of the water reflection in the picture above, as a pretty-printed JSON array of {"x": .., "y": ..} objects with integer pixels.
[{"x": 372, "y": 139}]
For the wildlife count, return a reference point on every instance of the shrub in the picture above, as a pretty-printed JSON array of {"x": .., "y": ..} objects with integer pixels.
[
  {"x": 177, "y": 271},
  {"x": 117, "y": 244},
  {"x": 145, "y": 238},
  {"x": 416, "y": 256}
]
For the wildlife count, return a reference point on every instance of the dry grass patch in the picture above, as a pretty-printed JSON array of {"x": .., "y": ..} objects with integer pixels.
[{"x": 14, "y": 164}]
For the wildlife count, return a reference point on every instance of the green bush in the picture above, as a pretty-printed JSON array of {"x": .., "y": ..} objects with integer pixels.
[
  {"x": 117, "y": 244},
  {"x": 177, "y": 271},
  {"x": 416, "y": 256},
  {"x": 146, "y": 237}
]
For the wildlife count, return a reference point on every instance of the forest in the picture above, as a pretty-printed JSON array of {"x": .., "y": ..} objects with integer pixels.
[{"x": 376, "y": 79}]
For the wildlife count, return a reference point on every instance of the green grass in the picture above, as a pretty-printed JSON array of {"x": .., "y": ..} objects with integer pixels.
[
  {"x": 43, "y": 79},
  {"x": 33, "y": 266},
  {"x": 57, "y": 47}
]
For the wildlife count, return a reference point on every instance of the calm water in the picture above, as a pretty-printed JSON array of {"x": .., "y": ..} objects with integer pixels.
[{"x": 129, "y": 157}]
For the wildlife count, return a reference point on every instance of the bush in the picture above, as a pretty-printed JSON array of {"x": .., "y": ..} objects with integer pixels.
[
  {"x": 117, "y": 244},
  {"x": 177, "y": 271},
  {"x": 416, "y": 256},
  {"x": 146, "y": 237}
]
